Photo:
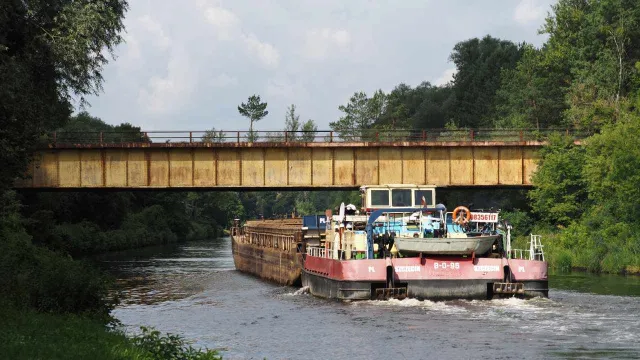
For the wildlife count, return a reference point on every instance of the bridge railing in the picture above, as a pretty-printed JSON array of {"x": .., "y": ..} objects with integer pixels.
[{"x": 86, "y": 138}]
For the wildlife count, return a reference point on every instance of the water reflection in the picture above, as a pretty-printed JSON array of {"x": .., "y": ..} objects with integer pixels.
[{"x": 605, "y": 284}]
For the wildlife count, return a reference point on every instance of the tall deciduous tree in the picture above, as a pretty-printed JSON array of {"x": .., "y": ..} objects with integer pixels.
[
  {"x": 291, "y": 123},
  {"x": 596, "y": 45},
  {"x": 50, "y": 51},
  {"x": 360, "y": 113},
  {"x": 425, "y": 106},
  {"x": 309, "y": 130},
  {"x": 255, "y": 110},
  {"x": 531, "y": 95},
  {"x": 559, "y": 196},
  {"x": 480, "y": 63}
]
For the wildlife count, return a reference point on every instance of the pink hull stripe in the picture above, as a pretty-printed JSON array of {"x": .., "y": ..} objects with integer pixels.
[{"x": 444, "y": 268}]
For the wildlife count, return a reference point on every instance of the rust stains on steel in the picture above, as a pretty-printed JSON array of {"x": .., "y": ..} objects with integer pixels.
[{"x": 268, "y": 249}]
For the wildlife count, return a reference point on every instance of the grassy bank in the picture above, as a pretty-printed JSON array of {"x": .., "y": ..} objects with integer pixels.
[{"x": 25, "y": 334}]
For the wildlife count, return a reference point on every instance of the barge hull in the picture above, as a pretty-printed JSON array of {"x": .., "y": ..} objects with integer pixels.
[
  {"x": 436, "y": 289},
  {"x": 276, "y": 265}
]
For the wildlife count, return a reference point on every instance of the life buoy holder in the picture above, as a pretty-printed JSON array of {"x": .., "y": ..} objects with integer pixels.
[{"x": 463, "y": 220}]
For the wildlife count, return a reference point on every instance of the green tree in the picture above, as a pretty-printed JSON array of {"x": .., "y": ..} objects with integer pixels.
[
  {"x": 291, "y": 123},
  {"x": 596, "y": 44},
  {"x": 480, "y": 63},
  {"x": 360, "y": 113},
  {"x": 612, "y": 169},
  {"x": 50, "y": 51},
  {"x": 255, "y": 110},
  {"x": 426, "y": 106},
  {"x": 308, "y": 131},
  {"x": 294, "y": 130},
  {"x": 213, "y": 136},
  {"x": 531, "y": 95},
  {"x": 560, "y": 193}
]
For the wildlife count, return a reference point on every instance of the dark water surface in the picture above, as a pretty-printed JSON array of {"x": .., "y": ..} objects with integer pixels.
[{"x": 194, "y": 290}]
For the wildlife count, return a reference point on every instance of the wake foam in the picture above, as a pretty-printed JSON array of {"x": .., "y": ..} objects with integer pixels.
[{"x": 303, "y": 290}]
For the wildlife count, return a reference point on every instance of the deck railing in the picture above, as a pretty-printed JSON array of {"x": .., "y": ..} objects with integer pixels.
[
  {"x": 319, "y": 252},
  {"x": 63, "y": 137},
  {"x": 535, "y": 251}
]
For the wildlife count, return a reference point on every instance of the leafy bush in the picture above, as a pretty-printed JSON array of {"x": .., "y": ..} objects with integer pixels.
[
  {"x": 521, "y": 221},
  {"x": 34, "y": 277},
  {"x": 38, "y": 278},
  {"x": 26, "y": 334},
  {"x": 170, "y": 347},
  {"x": 563, "y": 261}
]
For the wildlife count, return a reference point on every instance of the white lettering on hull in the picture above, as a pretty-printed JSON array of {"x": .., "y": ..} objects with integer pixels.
[
  {"x": 407, "y": 269},
  {"x": 486, "y": 268}
]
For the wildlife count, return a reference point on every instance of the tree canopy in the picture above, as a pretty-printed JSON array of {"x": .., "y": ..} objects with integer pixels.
[
  {"x": 50, "y": 51},
  {"x": 255, "y": 110}
]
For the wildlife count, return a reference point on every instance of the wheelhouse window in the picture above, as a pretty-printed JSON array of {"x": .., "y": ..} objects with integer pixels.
[
  {"x": 418, "y": 194},
  {"x": 401, "y": 197},
  {"x": 379, "y": 197}
]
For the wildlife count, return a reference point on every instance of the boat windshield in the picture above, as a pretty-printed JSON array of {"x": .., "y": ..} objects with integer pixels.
[
  {"x": 397, "y": 196},
  {"x": 401, "y": 197},
  {"x": 380, "y": 197}
]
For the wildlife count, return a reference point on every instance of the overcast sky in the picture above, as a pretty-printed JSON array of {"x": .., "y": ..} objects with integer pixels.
[{"x": 187, "y": 65}]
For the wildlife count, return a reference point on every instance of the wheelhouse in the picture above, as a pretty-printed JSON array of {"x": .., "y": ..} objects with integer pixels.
[{"x": 397, "y": 196}]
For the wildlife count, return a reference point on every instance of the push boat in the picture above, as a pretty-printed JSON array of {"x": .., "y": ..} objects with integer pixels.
[{"x": 400, "y": 244}]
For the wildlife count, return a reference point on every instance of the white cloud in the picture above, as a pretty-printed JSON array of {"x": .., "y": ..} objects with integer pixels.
[
  {"x": 446, "y": 77},
  {"x": 224, "y": 21},
  {"x": 166, "y": 94},
  {"x": 201, "y": 58},
  {"x": 321, "y": 42},
  {"x": 529, "y": 11},
  {"x": 223, "y": 80},
  {"x": 227, "y": 27},
  {"x": 266, "y": 53},
  {"x": 159, "y": 38},
  {"x": 130, "y": 56}
]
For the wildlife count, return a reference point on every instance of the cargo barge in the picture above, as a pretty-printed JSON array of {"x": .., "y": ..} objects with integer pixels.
[
  {"x": 399, "y": 244},
  {"x": 269, "y": 249}
]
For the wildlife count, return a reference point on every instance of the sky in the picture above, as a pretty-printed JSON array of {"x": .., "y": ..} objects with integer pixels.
[{"x": 187, "y": 65}]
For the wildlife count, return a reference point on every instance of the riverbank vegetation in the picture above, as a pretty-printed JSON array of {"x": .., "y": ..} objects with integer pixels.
[
  {"x": 26, "y": 334},
  {"x": 52, "y": 305}
]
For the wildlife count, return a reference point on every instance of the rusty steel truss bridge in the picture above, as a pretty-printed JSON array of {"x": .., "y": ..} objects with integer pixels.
[{"x": 228, "y": 160}]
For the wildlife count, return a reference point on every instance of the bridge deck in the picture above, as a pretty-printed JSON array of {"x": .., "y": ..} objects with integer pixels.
[
  {"x": 191, "y": 160},
  {"x": 282, "y": 165}
]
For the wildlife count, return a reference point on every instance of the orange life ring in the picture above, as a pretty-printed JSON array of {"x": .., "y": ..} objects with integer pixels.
[{"x": 464, "y": 220}]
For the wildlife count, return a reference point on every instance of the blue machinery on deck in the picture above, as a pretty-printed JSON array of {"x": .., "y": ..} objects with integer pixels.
[{"x": 377, "y": 213}]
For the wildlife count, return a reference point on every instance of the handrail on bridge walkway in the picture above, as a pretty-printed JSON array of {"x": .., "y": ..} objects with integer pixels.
[{"x": 84, "y": 139}]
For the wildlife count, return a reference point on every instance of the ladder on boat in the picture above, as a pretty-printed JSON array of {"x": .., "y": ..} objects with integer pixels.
[{"x": 535, "y": 248}]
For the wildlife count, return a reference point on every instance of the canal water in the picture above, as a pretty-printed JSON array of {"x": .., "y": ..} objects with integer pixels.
[{"x": 194, "y": 290}]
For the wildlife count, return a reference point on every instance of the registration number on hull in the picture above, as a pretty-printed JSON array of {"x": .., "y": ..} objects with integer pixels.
[{"x": 446, "y": 265}]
